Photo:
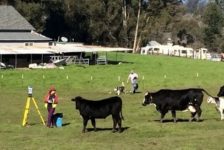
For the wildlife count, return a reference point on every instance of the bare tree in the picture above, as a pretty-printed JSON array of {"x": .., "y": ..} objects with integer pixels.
[{"x": 136, "y": 29}]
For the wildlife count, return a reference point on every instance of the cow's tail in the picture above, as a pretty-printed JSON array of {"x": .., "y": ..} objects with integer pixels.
[
  {"x": 121, "y": 115},
  {"x": 207, "y": 93}
]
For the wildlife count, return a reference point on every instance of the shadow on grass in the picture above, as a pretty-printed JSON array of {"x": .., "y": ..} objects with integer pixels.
[
  {"x": 119, "y": 62},
  {"x": 66, "y": 124},
  {"x": 138, "y": 92},
  {"x": 178, "y": 120},
  {"x": 106, "y": 129},
  {"x": 129, "y": 92}
]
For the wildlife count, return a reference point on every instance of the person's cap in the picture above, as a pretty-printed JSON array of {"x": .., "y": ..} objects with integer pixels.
[{"x": 52, "y": 88}]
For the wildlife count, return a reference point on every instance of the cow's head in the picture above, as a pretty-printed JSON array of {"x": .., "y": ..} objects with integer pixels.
[
  {"x": 147, "y": 99},
  {"x": 77, "y": 101},
  {"x": 213, "y": 100},
  {"x": 210, "y": 100}
]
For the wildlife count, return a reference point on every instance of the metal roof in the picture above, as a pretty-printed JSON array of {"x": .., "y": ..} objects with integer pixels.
[
  {"x": 13, "y": 50},
  {"x": 22, "y": 36},
  {"x": 10, "y": 19},
  {"x": 153, "y": 43},
  {"x": 71, "y": 47},
  {"x": 58, "y": 49}
]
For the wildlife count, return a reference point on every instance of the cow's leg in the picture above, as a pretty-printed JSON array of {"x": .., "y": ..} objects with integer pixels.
[
  {"x": 217, "y": 109},
  {"x": 119, "y": 124},
  {"x": 85, "y": 121},
  {"x": 114, "y": 123},
  {"x": 221, "y": 113},
  {"x": 192, "y": 116},
  {"x": 93, "y": 123},
  {"x": 198, "y": 110},
  {"x": 163, "y": 113},
  {"x": 174, "y": 116}
]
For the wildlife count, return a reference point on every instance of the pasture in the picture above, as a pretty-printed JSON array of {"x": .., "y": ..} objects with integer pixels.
[{"x": 142, "y": 130}]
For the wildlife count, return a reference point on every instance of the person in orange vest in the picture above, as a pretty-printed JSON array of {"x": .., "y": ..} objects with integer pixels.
[{"x": 51, "y": 101}]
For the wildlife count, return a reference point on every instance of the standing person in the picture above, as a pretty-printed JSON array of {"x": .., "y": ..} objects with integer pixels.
[
  {"x": 133, "y": 77},
  {"x": 51, "y": 101}
]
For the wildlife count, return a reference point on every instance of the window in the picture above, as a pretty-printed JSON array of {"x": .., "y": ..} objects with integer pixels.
[{"x": 184, "y": 52}]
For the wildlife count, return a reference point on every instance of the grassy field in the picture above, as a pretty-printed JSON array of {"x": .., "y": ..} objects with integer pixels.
[{"x": 142, "y": 128}]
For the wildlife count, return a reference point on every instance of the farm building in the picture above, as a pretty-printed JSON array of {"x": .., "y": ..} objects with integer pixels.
[
  {"x": 20, "y": 45},
  {"x": 16, "y": 31},
  {"x": 154, "y": 47}
]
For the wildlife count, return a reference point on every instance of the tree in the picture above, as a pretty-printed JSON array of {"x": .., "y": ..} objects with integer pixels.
[
  {"x": 136, "y": 39},
  {"x": 157, "y": 18},
  {"x": 214, "y": 21},
  {"x": 127, "y": 23},
  {"x": 195, "y": 6},
  {"x": 7, "y": 2},
  {"x": 77, "y": 21},
  {"x": 105, "y": 21},
  {"x": 33, "y": 12},
  {"x": 55, "y": 25}
]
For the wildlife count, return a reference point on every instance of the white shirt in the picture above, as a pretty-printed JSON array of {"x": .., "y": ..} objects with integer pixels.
[{"x": 133, "y": 77}]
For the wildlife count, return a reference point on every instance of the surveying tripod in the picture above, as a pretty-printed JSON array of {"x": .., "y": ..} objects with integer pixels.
[{"x": 27, "y": 108}]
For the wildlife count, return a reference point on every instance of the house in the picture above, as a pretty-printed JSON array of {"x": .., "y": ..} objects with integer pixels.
[
  {"x": 18, "y": 39},
  {"x": 14, "y": 28}
]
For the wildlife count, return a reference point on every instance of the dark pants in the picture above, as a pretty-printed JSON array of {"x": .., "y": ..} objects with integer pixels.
[
  {"x": 50, "y": 110},
  {"x": 134, "y": 85}
]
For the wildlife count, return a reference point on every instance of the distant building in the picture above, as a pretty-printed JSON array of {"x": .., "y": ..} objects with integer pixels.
[
  {"x": 16, "y": 31},
  {"x": 14, "y": 28},
  {"x": 154, "y": 47},
  {"x": 20, "y": 45}
]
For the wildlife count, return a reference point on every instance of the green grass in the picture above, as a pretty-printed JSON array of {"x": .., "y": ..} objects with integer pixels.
[{"x": 143, "y": 131}]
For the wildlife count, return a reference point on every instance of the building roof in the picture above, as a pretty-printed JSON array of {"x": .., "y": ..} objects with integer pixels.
[
  {"x": 153, "y": 43},
  {"x": 72, "y": 47},
  {"x": 10, "y": 19},
  {"x": 22, "y": 37},
  {"x": 58, "y": 49},
  {"x": 13, "y": 50}
]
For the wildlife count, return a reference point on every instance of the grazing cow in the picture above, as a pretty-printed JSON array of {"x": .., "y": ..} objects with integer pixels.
[
  {"x": 219, "y": 102},
  {"x": 92, "y": 110},
  {"x": 221, "y": 91},
  {"x": 172, "y": 100}
]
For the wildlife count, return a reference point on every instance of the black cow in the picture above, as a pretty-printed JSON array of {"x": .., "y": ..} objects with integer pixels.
[
  {"x": 221, "y": 91},
  {"x": 92, "y": 110},
  {"x": 172, "y": 100}
]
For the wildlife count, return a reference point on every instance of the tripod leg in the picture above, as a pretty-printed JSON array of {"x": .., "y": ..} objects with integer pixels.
[
  {"x": 38, "y": 111},
  {"x": 25, "y": 116}
]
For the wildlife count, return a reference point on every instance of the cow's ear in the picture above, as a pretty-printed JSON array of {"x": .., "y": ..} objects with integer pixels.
[
  {"x": 73, "y": 99},
  {"x": 78, "y": 98}
]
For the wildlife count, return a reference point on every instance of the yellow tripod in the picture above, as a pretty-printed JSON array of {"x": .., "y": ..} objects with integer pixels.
[{"x": 27, "y": 108}]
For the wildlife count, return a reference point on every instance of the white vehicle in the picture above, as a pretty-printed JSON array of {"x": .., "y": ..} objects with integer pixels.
[{"x": 214, "y": 57}]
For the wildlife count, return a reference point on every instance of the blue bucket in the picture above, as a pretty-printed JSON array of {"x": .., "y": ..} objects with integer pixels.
[
  {"x": 59, "y": 122},
  {"x": 58, "y": 119}
]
